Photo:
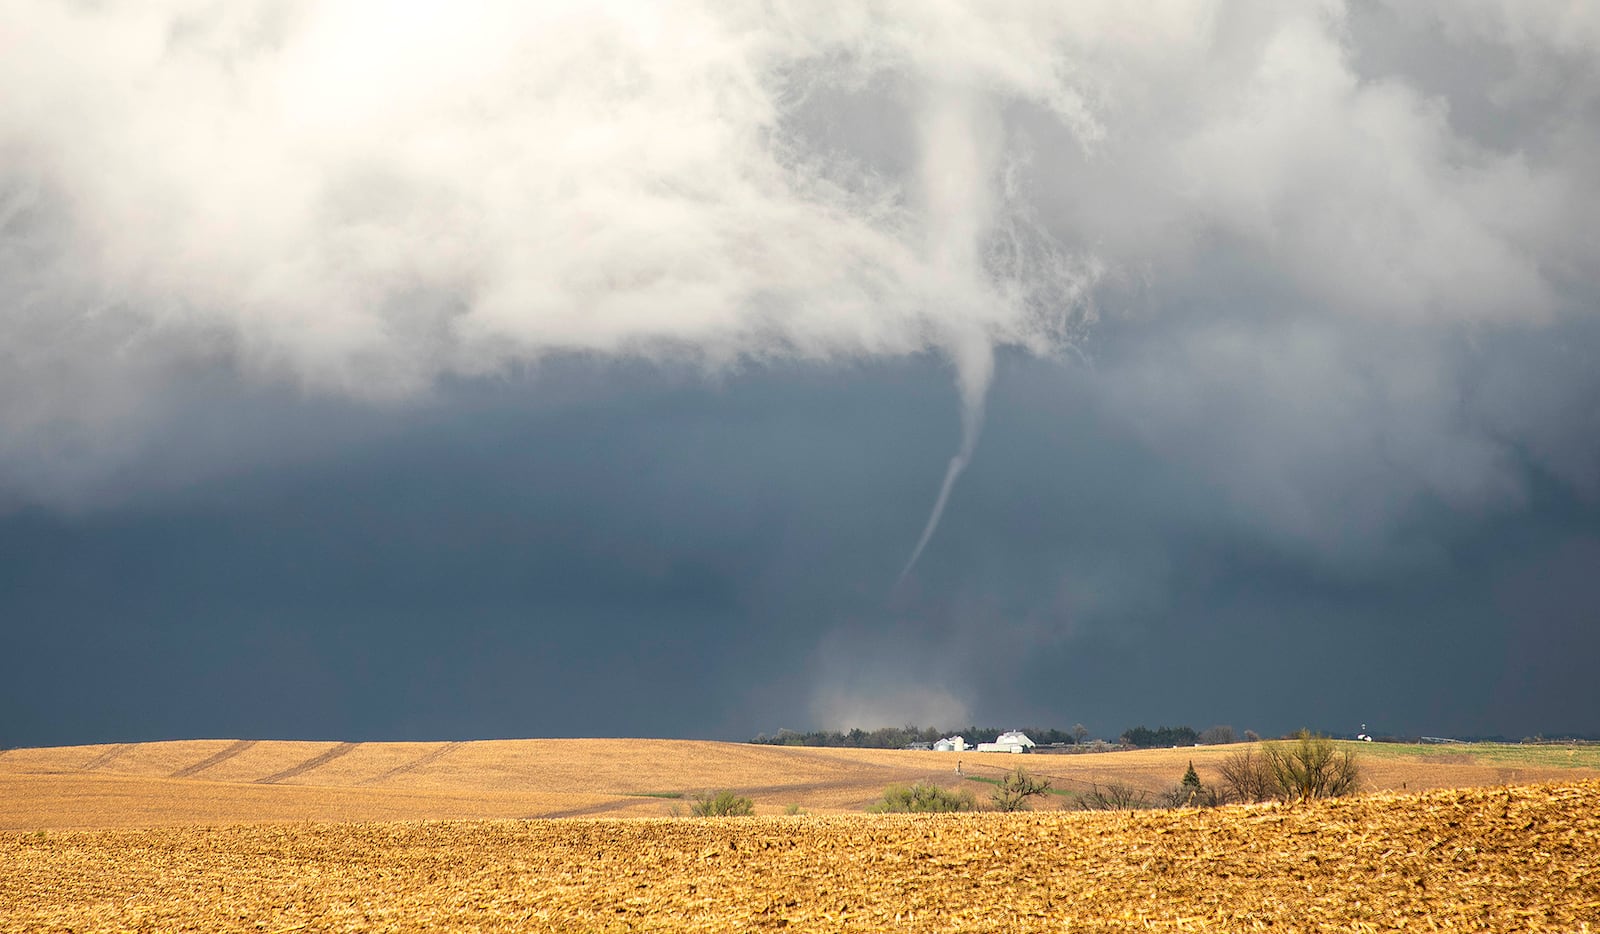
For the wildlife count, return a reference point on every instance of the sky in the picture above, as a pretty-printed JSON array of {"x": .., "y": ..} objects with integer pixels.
[{"x": 424, "y": 371}]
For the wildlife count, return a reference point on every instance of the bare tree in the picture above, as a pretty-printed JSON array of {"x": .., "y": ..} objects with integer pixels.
[
  {"x": 1015, "y": 789},
  {"x": 1311, "y": 766},
  {"x": 1245, "y": 777}
]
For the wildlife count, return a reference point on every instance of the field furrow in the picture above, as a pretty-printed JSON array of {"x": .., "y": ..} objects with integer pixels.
[
  {"x": 107, "y": 757},
  {"x": 414, "y": 764},
  {"x": 235, "y": 749},
  {"x": 339, "y": 749}
]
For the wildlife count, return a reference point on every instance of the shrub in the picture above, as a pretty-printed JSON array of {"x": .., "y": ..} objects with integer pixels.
[
  {"x": 1016, "y": 788},
  {"x": 923, "y": 798},
  {"x": 720, "y": 804},
  {"x": 1113, "y": 797},
  {"x": 1311, "y": 766},
  {"x": 1181, "y": 796}
]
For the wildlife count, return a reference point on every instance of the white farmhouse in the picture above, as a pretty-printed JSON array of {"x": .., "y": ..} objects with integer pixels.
[
  {"x": 951, "y": 744},
  {"x": 1009, "y": 741}
]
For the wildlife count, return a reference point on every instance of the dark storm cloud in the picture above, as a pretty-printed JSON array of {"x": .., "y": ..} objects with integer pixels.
[
  {"x": 580, "y": 368},
  {"x": 1168, "y": 561},
  {"x": 658, "y": 556},
  {"x": 630, "y": 564}
]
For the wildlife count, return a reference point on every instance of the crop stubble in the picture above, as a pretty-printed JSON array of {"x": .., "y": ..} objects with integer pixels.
[{"x": 1492, "y": 859}]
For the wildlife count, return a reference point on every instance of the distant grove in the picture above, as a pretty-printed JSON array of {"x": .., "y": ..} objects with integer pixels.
[{"x": 899, "y": 737}]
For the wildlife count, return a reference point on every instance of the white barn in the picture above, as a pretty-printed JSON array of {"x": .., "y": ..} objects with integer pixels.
[
  {"x": 1009, "y": 741},
  {"x": 951, "y": 744}
]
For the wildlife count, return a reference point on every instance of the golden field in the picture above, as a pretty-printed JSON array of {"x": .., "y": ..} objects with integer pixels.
[
  {"x": 229, "y": 781},
  {"x": 1505, "y": 859},
  {"x": 234, "y": 835}
]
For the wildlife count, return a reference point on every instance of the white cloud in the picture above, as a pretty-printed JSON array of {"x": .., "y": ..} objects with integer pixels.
[{"x": 360, "y": 198}]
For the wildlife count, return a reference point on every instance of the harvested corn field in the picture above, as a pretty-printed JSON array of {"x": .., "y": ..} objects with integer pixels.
[{"x": 1523, "y": 858}]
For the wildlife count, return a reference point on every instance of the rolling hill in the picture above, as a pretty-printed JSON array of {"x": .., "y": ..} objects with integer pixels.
[{"x": 207, "y": 782}]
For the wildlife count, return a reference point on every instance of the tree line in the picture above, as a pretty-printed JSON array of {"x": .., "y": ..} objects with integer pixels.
[
  {"x": 898, "y": 737},
  {"x": 1143, "y": 737}
]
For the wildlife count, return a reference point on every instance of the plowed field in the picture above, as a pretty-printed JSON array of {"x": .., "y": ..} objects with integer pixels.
[{"x": 1509, "y": 859}]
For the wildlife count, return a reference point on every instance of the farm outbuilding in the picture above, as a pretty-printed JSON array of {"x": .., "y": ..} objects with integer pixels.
[
  {"x": 1009, "y": 741},
  {"x": 951, "y": 744}
]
